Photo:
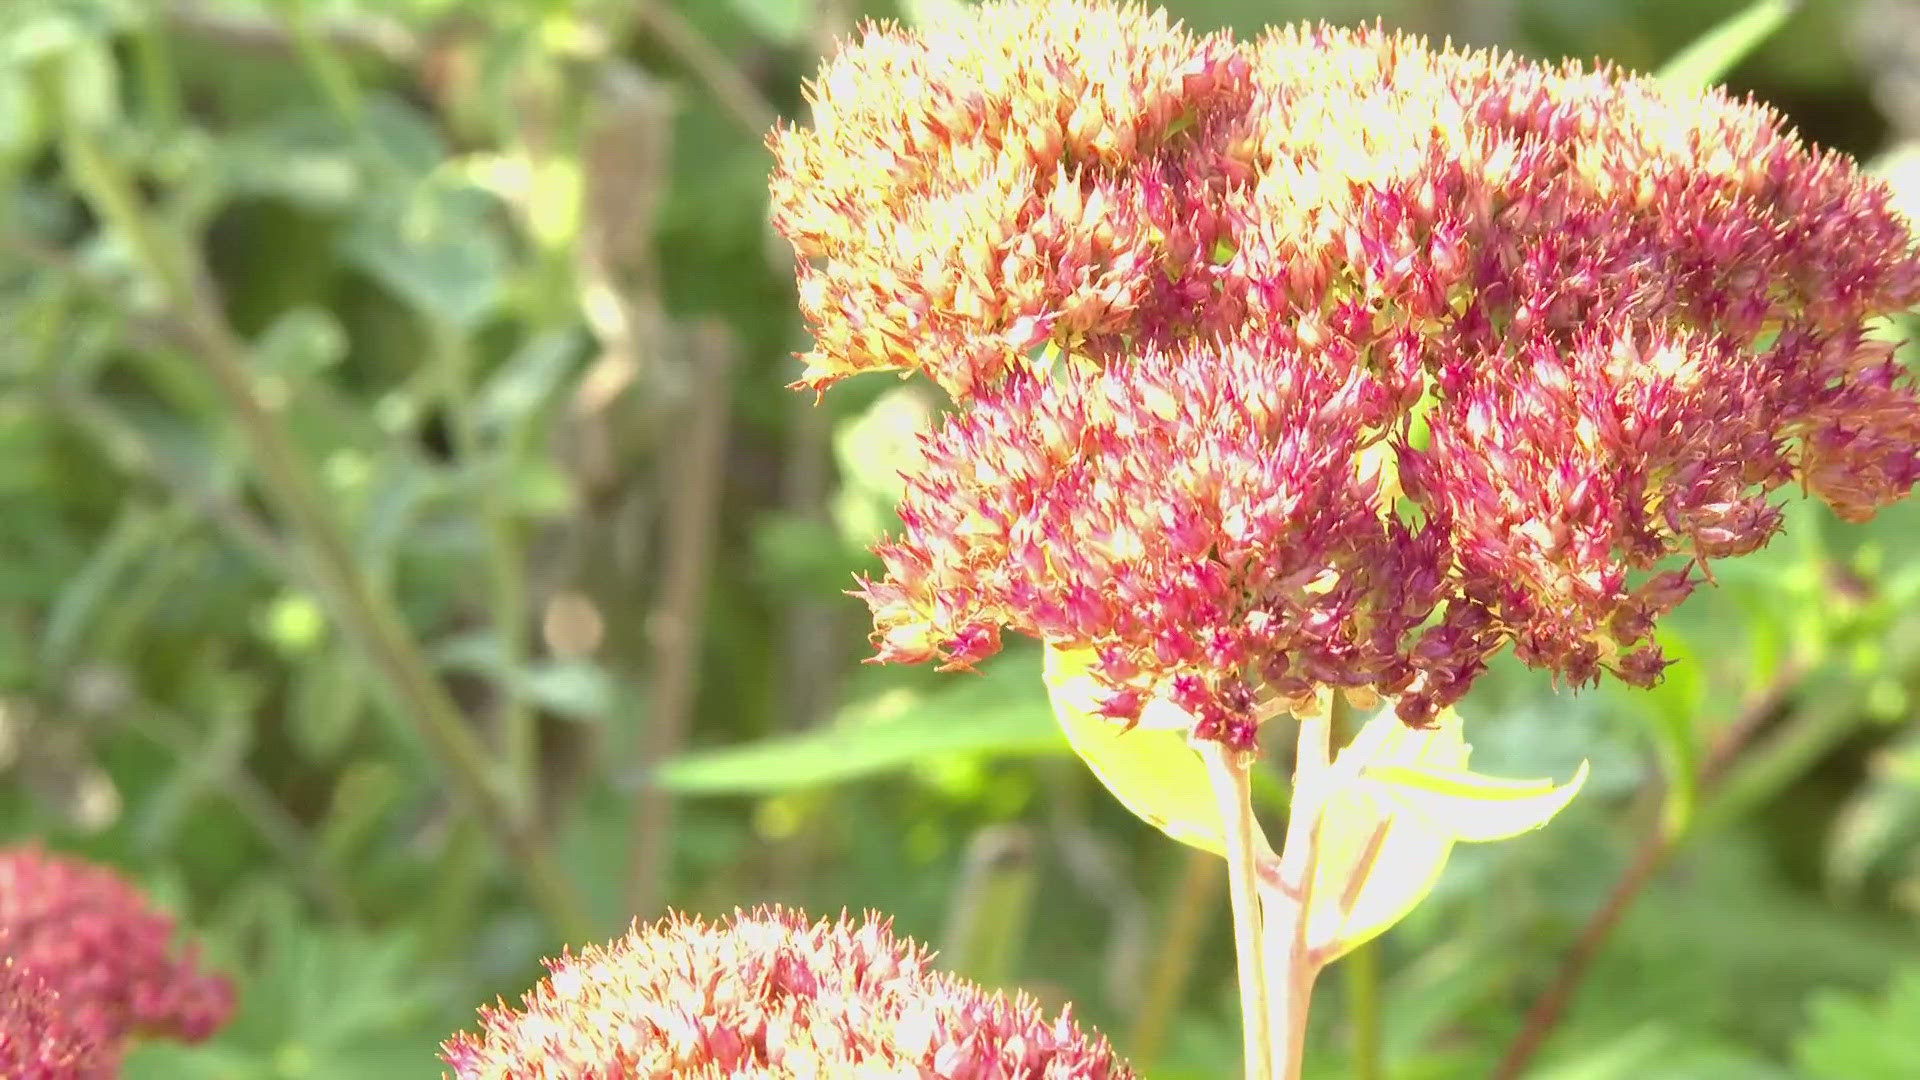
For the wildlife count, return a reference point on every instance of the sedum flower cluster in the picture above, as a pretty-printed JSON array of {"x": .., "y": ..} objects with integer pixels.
[
  {"x": 769, "y": 994},
  {"x": 38, "y": 1039},
  {"x": 89, "y": 966},
  {"x": 1331, "y": 361}
]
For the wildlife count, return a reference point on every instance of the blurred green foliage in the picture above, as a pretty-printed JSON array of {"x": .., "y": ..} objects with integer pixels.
[{"x": 479, "y": 263}]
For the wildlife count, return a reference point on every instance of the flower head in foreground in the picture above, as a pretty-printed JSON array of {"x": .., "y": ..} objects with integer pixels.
[
  {"x": 38, "y": 1039},
  {"x": 1424, "y": 354},
  {"x": 768, "y": 993},
  {"x": 106, "y": 959}
]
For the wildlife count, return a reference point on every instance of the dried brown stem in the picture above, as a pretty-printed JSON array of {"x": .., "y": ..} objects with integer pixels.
[{"x": 693, "y": 508}]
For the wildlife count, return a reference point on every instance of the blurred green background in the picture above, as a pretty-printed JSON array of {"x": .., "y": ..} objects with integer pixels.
[{"x": 392, "y": 409}]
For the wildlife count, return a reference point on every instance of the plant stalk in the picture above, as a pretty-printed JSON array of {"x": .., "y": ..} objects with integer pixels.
[
  {"x": 1286, "y": 895},
  {"x": 1361, "y": 972},
  {"x": 677, "y": 622},
  {"x": 1233, "y": 789}
]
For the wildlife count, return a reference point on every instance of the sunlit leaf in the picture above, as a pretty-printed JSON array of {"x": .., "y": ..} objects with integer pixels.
[
  {"x": 1001, "y": 712},
  {"x": 1399, "y": 799},
  {"x": 1152, "y": 770},
  {"x": 89, "y": 85},
  {"x": 1468, "y": 806},
  {"x": 1373, "y": 868},
  {"x": 21, "y": 128}
]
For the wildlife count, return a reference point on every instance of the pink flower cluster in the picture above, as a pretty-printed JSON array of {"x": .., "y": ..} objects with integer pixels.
[
  {"x": 89, "y": 965},
  {"x": 768, "y": 993},
  {"x": 38, "y": 1039},
  {"x": 1331, "y": 360}
]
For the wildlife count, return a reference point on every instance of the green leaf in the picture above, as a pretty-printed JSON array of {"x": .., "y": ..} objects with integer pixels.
[
  {"x": 528, "y": 381},
  {"x": 363, "y": 795},
  {"x": 126, "y": 544},
  {"x": 330, "y": 696},
  {"x": 437, "y": 250},
  {"x": 1001, "y": 712},
  {"x": 990, "y": 910},
  {"x": 22, "y": 132},
  {"x": 1714, "y": 53},
  {"x": 89, "y": 85},
  {"x": 1150, "y": 768},
  {"x": 301, "y": 344},
  {"x": 578, "y": 689},
  {"x": 315, "y": 1002},
  {"x": 1673, "y": 709},
  {"x": 1851, "y": 1038}
]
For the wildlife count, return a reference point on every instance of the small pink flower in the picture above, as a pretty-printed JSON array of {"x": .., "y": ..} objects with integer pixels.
[
  {"x": 768, "y": 993},
  {"x": 107, "y": 958}
]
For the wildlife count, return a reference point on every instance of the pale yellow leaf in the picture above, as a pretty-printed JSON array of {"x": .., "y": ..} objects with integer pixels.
[
  {"x": 1398, "y": 800},
  {"x": 1467, "y": 805},
  {"x": 1151, "y": 769}
]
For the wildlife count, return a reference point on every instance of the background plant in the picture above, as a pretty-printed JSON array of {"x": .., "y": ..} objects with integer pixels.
[{"x": 498, "y": 278}]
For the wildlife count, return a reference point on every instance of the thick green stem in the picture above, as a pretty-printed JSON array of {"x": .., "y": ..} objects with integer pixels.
[
  {"x": 368, "y": 616},
  {"x": 1234, "y": 790},
  {"x": 1361, "y": 973},
  {"x": 1286, "y": 895}
]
